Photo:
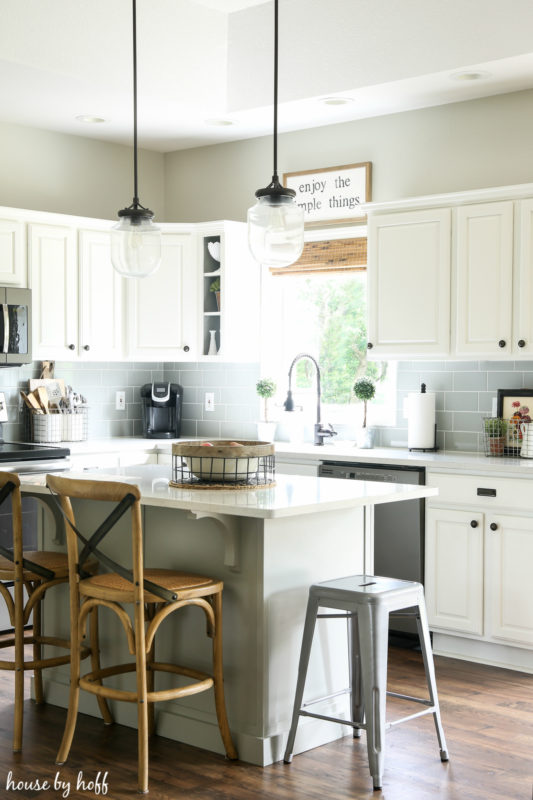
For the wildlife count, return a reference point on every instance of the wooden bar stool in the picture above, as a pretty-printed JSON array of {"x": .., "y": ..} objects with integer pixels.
[
  {"x": 154, "y": 594},
  {"x": 37, "y": 572},
  {"x": 367, "y": 601}
]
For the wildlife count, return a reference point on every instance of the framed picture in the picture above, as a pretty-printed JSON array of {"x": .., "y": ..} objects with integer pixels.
[
  {"x": 516, "y": 406},
  {"x": 332, "y": 195}
]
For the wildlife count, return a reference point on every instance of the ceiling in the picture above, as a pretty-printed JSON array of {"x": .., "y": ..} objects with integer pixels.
[{"x": 201, "y": 61}]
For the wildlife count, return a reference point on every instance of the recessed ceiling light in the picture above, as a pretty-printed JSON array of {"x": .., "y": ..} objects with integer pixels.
[
  {"x": 89, "y": 118},
  {"x": 469, "y": 76},
  {"x": 220, "y": 122},
  {"x": 336, "y": 101}
]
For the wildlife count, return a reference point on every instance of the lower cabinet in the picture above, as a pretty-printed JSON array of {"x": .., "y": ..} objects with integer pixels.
[{"x": 478, "y": 574}]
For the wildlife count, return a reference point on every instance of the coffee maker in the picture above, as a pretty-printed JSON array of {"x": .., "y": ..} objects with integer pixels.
[{"x": 161, "y": 408}]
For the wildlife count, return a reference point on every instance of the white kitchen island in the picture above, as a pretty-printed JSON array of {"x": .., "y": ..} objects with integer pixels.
[{"x": 268, "y": 546}]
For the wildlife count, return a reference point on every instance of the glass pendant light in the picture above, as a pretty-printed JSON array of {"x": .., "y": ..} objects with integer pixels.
[
  {"x": 135, "y": 240},
  {"x": 276, "y": 222}
]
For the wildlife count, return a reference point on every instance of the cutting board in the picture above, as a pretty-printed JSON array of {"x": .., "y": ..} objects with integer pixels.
[{"x": 55, "y": 388}]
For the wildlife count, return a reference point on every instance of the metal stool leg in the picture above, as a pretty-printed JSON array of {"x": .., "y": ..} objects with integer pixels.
[
  {"x": 307, "y": 641},
  {"x": 373, "y": 638},
  {"x": 429, "y": 668},
  {"x": 356, "y": 688}
]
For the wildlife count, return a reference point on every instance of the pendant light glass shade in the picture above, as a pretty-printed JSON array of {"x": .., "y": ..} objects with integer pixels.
[
  {"x": 135, "y": 240},
  {"x": 135, "y": 247},
  {"x": 276, "y": 222},
  {"x": 276, "y": 230}
]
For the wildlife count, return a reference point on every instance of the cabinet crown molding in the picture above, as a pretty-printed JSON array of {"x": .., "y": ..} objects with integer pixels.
[{"x": 518, "y": 192}]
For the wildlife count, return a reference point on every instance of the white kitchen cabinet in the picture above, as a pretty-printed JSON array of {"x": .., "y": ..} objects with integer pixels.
[
  {"x": 12, "y": 252},
  {"x": 100, "y": 334},
  {"x": 454, "y": 570},
  {"x": 483, "y": 279},
  {"x": 53, "y": 278},
  {"x": 162, "y": 322},
  {"x": 234, "y": 315},
  {"x": 509, "y": 545},
  {"x": 523, "y": 283},
  {"x": 409, "y": 283}
]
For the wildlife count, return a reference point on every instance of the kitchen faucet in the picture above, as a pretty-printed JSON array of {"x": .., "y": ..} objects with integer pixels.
[{"x": 321, "y": 432}]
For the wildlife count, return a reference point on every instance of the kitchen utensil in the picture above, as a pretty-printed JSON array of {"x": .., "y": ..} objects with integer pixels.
[
  {"x": 31, "y": 401},
  {"x": 54, "y": 386},
  {"x": 42, "y": 396}
]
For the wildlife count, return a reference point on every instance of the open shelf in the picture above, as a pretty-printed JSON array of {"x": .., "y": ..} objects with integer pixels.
[{"x": 211, "y": 270}]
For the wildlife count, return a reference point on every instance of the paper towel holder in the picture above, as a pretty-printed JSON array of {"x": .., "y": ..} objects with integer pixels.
[{"x": 426, "y": 449}]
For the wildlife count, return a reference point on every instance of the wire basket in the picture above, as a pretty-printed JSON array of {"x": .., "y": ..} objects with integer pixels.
[
  {"x": 225, "y": 464},
  {"x": 502, "y": 437},
  {"x": 58, "y": 427}
]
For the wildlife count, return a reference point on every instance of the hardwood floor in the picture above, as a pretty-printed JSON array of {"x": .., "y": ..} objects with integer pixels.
[{"x": 488, "y": 721}]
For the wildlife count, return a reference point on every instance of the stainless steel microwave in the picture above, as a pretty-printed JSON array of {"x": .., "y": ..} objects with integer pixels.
[{"x": 15, "y": 326}]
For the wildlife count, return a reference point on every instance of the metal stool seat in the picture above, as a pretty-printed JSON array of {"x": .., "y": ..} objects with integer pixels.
[{"x": 367, "y": 601}]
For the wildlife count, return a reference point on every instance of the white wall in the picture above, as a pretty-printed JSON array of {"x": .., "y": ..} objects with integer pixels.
[
  {"x": 49, "y": 171},
  {"x": 469, "y": 145}
]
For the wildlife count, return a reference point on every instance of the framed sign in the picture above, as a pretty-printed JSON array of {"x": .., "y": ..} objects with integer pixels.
[{"x": 332, "y": 194}]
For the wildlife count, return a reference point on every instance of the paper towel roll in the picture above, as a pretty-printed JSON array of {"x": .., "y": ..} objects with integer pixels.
[{"x": 421, "y": 420}]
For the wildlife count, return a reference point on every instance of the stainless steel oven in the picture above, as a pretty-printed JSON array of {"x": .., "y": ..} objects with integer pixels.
[{"x": 15, "y": 326}]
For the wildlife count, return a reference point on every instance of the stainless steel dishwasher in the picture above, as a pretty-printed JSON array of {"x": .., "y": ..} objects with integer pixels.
[{"x": 398, "y": 527}]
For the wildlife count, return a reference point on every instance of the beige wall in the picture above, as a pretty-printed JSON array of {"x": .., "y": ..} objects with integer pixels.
[
  {"x": 49, "y": 171},
  {"x": 469, "y": 145}
]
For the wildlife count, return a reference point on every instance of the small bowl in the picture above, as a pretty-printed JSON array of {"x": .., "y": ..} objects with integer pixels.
[{"x": 222, "y": 469}]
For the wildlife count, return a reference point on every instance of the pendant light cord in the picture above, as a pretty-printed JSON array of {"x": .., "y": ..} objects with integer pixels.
[
  {"x": 275, "y": 176},
  {"x": 135, "y": 182}
]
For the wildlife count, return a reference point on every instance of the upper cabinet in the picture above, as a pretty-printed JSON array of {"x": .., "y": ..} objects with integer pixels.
[
  {"x": 453, "y": 279},
  {"x": 12, "y": 252},
  {"x": 409, "y": 284},
  {"x": 162, "y": 309}
]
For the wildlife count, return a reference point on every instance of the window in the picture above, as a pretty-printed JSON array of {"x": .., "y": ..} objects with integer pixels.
[{"x": 322, "y": 311}]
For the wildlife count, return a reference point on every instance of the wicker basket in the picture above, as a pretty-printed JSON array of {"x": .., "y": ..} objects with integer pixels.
[{"x": 225, "y": 463}]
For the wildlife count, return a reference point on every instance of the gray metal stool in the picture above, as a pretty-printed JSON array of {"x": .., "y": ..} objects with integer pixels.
[{"x": 368, "y": 601}]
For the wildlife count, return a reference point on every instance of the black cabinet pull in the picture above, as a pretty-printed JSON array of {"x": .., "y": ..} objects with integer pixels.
[
  {"x": 486, "y": 492},
  {"x": 502, "y": 343},
  {"x": 72, "y": 347},
  {"x": 370, "y": 346},
  {"x": 474, "y": 523},
  {"x": 521, "y": 343},
  {"x": 186, "y": 348},
  {"x": 86, "y": 347},
  {"x": 493, "y": 526}
]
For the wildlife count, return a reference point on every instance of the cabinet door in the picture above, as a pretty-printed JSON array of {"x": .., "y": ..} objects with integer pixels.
[
  {"x": 523, "y": 285},
  {"x": 409, "y": 284},
  {"x": 53, "y": 274},
  {"x": 454, "y": 570},
  {"x": 100, "y": 329},
  {"x": 483, "y": 279},
  {"x": 163, "y": 308},
  {"x": 12, "y": 253},
  {"x": 509, "y": 582}
]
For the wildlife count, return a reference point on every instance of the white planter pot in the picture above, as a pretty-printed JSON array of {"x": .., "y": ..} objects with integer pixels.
[
  {"x": 266, "y": 431},
  {"x": 365, "y": 438}
]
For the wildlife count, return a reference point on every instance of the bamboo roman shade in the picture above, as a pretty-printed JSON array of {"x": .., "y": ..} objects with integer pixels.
[{"x": 330, "y": 255}]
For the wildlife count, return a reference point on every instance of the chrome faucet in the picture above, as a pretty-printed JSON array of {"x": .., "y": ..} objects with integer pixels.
[{"x": 321, "y": 432}]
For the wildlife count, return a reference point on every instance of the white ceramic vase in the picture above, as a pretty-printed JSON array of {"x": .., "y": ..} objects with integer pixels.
[{"x": 212, "y": 344}]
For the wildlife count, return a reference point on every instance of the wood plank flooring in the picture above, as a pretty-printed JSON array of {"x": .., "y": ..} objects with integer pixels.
[{"x": 488, "y": 722}]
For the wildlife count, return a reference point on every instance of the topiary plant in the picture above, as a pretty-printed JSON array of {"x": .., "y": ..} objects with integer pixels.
[
  {"x": 266, "y": 388},
  {"x": 364, "y": 389}
]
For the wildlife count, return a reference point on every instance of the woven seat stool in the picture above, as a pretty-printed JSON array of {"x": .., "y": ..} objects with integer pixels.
[{"x": 367, "y": 601}]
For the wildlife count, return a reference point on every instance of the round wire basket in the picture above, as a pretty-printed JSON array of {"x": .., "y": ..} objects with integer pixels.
[{"x": 223, "y": 464}]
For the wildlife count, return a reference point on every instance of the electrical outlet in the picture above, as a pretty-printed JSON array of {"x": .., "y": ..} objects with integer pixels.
[
  {"x": 209, "y": 401},
  {"x": 120, "y": 401}
]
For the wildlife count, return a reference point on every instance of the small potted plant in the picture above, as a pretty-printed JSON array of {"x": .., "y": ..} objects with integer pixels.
[
  {"x": 496, "y": 432},
  {"x": 215, "y": 287},
  {"x": 365, "y": 389},
  {"x": 266, "y": 388}
]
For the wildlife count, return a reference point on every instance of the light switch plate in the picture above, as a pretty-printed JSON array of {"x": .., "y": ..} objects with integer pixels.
[{"x": 3, "y": 408}]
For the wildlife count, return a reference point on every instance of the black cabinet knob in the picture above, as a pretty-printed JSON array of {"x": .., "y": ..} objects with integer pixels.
[
  {"x": 521, "y": 343},
  {"x": 502, "y": 343},
  {"x": 493, "y": 526},
  {"x": 370, "y": 345},
  {"x": 474, "y": 523},
  {"x": 186, "y": 348},
  {"x": 72, "y": 347},
  {"x": 86, "y": 347}
]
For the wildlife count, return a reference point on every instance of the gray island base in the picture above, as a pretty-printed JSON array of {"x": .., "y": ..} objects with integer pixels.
[{"x": 268, "y": 546}]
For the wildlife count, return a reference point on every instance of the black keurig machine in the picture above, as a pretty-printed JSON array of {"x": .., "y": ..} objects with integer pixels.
[{"x": 161, "y": 404}]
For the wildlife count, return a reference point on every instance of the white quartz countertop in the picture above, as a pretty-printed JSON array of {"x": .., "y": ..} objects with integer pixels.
[
  {"x": 292, "y": 495},
  {"x": 339, "y": 451}
]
